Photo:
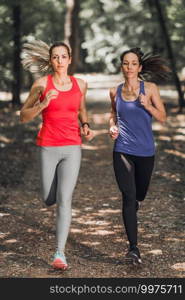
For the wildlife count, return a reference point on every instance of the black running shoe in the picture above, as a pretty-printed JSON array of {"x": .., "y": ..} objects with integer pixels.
[{"x": 133, "y": 255}]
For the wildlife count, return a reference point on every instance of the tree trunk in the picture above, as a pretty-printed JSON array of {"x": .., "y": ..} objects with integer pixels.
[
  {"x": 170, "y": 53},
  {"x": 71, "y": 32},
  {"x": 157, "y": 47},
  {"x": 16, "y": 84}
]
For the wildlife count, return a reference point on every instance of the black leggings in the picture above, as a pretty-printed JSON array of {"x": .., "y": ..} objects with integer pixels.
[{"x": 133, "y": 174}]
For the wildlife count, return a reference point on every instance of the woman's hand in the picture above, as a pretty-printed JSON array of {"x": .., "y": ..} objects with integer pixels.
[
  {"x": 114, "y": 132},
  {"x": 152, "y": 102},
  {"x": 145, "y": 101},
  {"x": 87, "y": 132},
  {"x": 52, "y": 94}
]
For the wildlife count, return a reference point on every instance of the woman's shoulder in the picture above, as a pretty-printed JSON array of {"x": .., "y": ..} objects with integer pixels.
[
  {"x": 150, "y": 85},
  {"x": 151, "y": 88},
  {"x": 82, "y": 84},
  {"x": 42, "y": 81},
  {"x": 39, "y": 84},
  {"x": 80, "y": 81},
  {"x": 113, "y": 90},
  {"x": 112, "y": 93}
]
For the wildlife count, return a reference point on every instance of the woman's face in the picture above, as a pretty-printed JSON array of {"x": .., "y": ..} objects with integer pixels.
[
  {"x": 130, "y": 65},
  {"x": 60, "y": 59}
]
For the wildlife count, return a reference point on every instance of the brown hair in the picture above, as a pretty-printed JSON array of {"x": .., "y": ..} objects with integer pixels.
[
  {"x": 59, "y": 44},
  {"x": 154, "y": 67}
]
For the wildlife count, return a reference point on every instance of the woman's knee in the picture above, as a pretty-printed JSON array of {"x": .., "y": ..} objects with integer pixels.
[
  {"x": 140, "y": 196},
  {"x": 129, "y": 199},
  {"x": 49, "y": 197}
]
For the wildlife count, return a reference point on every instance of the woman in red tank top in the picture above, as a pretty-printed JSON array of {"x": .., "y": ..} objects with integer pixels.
[{"x": 60, "y": 99}]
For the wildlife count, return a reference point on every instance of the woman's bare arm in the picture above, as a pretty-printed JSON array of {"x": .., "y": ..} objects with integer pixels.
[
  {"x": 32, "y": 107},
  {"x": 153, "y": 102}
]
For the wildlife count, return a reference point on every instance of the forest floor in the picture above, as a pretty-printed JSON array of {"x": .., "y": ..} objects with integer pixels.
[{"x": 97, "y": 242}]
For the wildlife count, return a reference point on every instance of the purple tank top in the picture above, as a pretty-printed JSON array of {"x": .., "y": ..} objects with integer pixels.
[{"x": 135, "y": 126}]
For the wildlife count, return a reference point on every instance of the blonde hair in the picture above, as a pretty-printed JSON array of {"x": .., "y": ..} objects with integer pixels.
[{"x": 36, "y": 56}]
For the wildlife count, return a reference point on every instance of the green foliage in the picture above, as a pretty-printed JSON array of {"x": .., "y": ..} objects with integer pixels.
[
  {"x": 176, "y": 21},
  {"x": 107, "y": 28},
  {"x": 40, "y": 20},
  {"x": 5, "y": 47},
  {"x": 114, "y": 26}
]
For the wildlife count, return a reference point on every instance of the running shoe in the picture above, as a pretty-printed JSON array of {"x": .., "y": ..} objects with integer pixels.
[
  {"x": 133, "y": 255},
  {"x": 59, "y": 261}
]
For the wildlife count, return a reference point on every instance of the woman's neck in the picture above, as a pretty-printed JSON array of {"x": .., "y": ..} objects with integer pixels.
[
  {"x": 131, "y": 84},
  {"x": 61, "y": 77}
]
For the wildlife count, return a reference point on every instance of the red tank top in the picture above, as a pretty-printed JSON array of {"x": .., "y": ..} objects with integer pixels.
[{"x": 60, "y": 125}]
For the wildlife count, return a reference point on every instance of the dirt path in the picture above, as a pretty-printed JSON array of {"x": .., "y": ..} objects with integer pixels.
[{"x": 97, "y": 244}]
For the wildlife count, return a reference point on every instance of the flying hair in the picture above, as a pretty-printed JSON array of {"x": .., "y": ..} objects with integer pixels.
[
  {"x": 36, "y": 56},
  {"x": 154, "y": 67}
]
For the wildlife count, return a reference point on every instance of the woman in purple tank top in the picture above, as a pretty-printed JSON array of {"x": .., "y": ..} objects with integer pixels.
[{"x": 134, "y": 103}]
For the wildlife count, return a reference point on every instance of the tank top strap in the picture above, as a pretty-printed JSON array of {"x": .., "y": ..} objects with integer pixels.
[
  {"x": 50, "y": 81},
  {"x": 118, "y": 91},
  {"x": 47, "y": 87},
  {"x": 74, "y": 81},
  {"x": 50, "y": 84},
  {"x": 142, "y": 88},
  {"x": 119, "y": 88},
  {"x": 75, "y": 84}
]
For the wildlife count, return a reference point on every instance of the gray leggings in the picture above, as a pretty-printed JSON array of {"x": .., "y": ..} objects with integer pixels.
[{"x": 59, "y": 167}]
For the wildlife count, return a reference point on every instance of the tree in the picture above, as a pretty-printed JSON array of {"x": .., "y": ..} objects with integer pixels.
[
  {"x": 71, "y": 31},
  {"x": 170, "y": 52},
  {"x": 97, "y": 30},
  {"x": 24, "y": 21},
  {"x": 16, "y": 84}
]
